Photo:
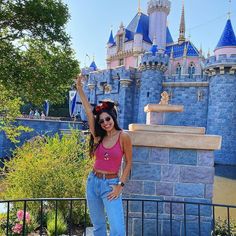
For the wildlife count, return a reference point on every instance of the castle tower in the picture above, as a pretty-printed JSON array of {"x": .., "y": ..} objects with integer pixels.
[
  {"x": 153, "y": 66},
  {"x": 158, "y": 11},
  {"x": 221, "y": 118}
]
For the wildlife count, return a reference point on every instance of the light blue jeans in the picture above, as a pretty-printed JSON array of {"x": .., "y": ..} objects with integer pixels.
[{"x": 97, "y": 191}]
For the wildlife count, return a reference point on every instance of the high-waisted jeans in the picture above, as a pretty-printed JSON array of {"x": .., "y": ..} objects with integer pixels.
[{"x": 97, "y": 191}]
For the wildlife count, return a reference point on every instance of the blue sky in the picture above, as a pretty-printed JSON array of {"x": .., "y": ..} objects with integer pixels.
[{"x": 92, "y": 20}]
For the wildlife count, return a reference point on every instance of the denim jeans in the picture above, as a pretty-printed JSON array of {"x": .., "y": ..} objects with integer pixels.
[{"x": 97, "y": 191}]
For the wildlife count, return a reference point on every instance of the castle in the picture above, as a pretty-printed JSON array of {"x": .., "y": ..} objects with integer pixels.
[{"x": 143, "y": 61}]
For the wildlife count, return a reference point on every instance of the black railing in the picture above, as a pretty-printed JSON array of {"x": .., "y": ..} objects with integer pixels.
[{"x": 142, "y": 217}]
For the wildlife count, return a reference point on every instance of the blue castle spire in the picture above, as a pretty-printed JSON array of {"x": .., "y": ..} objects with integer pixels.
[
  {"x": 228, "y": 37},
  {"x": 111, "y": 39},
  {"x": 169, "y": 38},
  {"x": 93, "y": 65}
]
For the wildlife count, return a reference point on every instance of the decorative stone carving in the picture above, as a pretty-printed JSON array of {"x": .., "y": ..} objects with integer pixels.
[
  {"x": 125, "y": 82},
  {"x": 107, "y": 88},
  {"x": 91, "y": 86},
  {"x": 164, "y": 98}
]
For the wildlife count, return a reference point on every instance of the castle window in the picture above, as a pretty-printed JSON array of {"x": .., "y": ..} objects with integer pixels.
[
  {"x": 191, "y": 70},
  {"x": 121, "y": 62},
  {"x": 222, "y": 56},
  {"x": 120, "y": 42},
  {"x": 178, "y": 70}
]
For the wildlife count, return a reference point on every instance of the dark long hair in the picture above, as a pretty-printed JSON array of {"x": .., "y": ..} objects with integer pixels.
[{"x": 99, "y": 131}]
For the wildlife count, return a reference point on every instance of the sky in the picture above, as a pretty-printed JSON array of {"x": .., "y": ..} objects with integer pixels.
[{"x": 92, "y": 20}]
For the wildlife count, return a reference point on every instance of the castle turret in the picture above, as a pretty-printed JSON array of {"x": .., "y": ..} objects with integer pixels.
[
  {"x": 153, "y": 66},
  {"x": 227, "y": 43},
  {"x": 138, "y": 37},
  {"x": 158, "y": 11},
  {"x": 222, "y": 95}
]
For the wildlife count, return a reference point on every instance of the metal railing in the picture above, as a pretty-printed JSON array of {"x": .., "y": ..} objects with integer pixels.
[{"x": 163, "y": 214}]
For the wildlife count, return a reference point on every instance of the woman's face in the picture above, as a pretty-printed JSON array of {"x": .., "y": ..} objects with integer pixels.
[{"x": 106, "y": 121}]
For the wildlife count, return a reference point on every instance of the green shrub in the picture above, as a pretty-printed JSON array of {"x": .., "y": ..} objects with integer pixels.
[
  {"x": 49, "y": 167},
  {"x": 61, "y": 224}
]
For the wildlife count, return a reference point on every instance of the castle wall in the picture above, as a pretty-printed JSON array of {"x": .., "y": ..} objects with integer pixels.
[
  {"x": 222, "y": 116},
  {"x": 194, "y": 97}
]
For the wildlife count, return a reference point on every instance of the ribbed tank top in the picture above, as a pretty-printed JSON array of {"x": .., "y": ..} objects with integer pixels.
[{"x": 108, "y": 159}]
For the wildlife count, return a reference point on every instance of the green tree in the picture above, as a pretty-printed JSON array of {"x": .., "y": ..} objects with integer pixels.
[
  {"x": 36, "y": 59},
  {"x": 38, "y": 19},
  {"x": 9, "y": 111}
]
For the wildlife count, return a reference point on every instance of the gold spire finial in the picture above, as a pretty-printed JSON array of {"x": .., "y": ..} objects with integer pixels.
[
  {"x": 182, "y": 26},
  {"x": 139, "y": 7},
  {"x": 229, "y": 12}
]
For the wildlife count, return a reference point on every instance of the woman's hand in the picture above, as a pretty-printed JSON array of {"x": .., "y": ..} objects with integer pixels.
[
  {"x": 79, "y": 84},
  {"x": 115, "y": 193}
]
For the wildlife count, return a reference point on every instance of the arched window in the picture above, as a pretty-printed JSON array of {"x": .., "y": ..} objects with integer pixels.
[
  {"x": 191, "y": 70},
  {"x": 178, "y": 70}
]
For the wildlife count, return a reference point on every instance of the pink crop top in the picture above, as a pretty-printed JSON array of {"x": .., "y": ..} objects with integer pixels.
[{"x": 108, "y": 159}]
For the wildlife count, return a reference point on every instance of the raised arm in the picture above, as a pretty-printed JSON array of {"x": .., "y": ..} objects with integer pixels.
[{"x": 86, "y": 105}]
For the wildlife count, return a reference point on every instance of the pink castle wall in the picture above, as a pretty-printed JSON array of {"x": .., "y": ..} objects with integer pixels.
[{"x": 225, "y": 50}]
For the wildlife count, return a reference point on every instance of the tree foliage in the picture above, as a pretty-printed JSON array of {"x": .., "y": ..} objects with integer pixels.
[
  {"x": 9, "y": 111},
  {"x": 38, "y": 19},
  {"x": 36, "y": 59}
]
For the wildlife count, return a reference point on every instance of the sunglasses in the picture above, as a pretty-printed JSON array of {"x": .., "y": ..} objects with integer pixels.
[{"x": 101, "y": 121}]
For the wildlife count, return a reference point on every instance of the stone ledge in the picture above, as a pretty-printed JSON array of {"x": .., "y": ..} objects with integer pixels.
[
  {"x": 167, "y": 128},
  {"x": 185, "y": 84},
  {"x": 163, "y": 108},
  {"x": 175, "y": 140}
]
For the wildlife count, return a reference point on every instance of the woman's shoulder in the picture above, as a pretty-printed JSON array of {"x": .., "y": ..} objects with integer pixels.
[{"x": 124, "y": 136}]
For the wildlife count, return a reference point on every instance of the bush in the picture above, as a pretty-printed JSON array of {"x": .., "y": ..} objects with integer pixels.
[
  {"x": 221, "y": 227},
  {"x": 61, "y": 224},
  {"x": 49, "y": 167}
]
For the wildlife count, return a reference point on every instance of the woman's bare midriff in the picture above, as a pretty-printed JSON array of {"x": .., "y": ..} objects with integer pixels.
[{"x": 104, "y": 172}]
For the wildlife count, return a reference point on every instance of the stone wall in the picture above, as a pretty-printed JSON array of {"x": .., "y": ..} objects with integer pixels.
[
  {"x": 222, "y": 116},
  {"x": 163, "y": 172},
  {"x": 194, "y": 98},
  {"x": 40, "y": 127}
]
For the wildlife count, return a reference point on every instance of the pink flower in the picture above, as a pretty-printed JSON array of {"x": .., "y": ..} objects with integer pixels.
[
  {"x": 17, "y": 229},
  {"x": 20, "y": 216}
]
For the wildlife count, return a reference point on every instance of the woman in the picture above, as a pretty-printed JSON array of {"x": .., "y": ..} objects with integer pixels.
[{"x": 108, "y": 145}]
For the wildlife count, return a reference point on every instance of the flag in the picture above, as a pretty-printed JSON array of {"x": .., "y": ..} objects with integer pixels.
[
  {"x": 46, "y": 107},
  {"x": 73, "y": 103}
]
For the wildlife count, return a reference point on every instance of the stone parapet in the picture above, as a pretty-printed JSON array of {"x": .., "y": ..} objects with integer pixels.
[
  {"x": 220, "y": 65},
  {"x": 175, "y": 140},
  {"x": 163, "y": 108},
  {"x": 167, "y": 129},
  {"x": 162, "y": 172},
  {"x": 157, "y": 61}
]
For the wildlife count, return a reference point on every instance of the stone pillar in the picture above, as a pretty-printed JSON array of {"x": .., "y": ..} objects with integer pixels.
[
  {"x": 125, "y": 102},
  {"x": 175, "y": 166},
  {"x": 156, "y": 113}
]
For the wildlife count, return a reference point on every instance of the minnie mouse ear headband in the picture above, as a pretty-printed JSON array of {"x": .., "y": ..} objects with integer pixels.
[{"x": 103, "y": 106}]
